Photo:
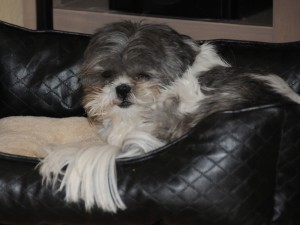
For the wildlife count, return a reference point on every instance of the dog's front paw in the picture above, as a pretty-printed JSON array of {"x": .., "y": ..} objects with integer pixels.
[
  {"x": 86, "y": 174},
  {"x": 138, "y": 143},
  {"x": 52, "y": 166}
]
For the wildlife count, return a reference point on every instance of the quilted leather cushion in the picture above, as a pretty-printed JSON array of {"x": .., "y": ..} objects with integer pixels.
[
  {"x": 221, "y": 173},
  {"x": 287, "y": 195},
  {"x": 278, "y": 58},
  {"x": 38, "y": 72}
]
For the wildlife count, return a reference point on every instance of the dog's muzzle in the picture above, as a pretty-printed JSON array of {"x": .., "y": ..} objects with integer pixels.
[{"x": 123, "y": 92}]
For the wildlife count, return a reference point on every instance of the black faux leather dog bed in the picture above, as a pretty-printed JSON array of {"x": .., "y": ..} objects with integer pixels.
[{"x": 234, "y": 168}]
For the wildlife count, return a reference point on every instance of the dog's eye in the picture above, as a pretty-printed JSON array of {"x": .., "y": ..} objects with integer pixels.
[
  {"x": 143, "y": 76},
  {"x": 107, "y": 74}
]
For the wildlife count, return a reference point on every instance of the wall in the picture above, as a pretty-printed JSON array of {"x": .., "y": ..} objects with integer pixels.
[{"x": 11, "y": 11}]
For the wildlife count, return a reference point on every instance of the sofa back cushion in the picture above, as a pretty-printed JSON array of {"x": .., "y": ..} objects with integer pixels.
[{"x": 38, "y": 72}]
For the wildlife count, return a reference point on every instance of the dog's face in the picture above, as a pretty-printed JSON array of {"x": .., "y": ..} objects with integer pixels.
[{"x": 128, "y": 64}]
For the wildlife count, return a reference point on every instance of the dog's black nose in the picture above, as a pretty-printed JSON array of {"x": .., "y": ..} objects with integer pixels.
[{"x": 123, "y": 90}]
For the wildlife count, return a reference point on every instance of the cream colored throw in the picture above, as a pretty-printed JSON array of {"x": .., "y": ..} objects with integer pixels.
[{"x": 33, "y": 136}]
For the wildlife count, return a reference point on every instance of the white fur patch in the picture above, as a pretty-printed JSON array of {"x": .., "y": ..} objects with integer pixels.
[
  {"x": 119, "y": 123},
  {"x": 187, "y": 89},
  {"x": 206, "y": 59},
  {"x": 139, "y": 142},
  {"x": 120, "y": 80},
  {"x": 280, "y": 86}
]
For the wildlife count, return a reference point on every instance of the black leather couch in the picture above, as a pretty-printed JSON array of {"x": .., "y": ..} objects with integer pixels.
[{"x": 237, "y": 167}]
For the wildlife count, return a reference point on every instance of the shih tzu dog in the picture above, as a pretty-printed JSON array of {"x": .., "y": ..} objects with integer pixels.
[{"x": 144, "y": 86}]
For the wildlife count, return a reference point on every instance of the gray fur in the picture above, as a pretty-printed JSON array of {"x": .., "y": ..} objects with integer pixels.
[
  {"x": 225, "y": 88},
  {"x": 137, "y": 48}
]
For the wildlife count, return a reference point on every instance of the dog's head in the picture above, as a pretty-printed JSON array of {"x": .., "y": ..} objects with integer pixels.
[{"x": 128, "y": 64}]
